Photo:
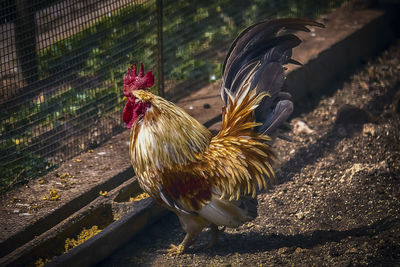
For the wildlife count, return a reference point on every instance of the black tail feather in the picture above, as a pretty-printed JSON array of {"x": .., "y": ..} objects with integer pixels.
[{"x": 261, "y": 51}]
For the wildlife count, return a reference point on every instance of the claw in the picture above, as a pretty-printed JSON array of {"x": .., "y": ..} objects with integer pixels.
[{"x": 176, "y": 250}]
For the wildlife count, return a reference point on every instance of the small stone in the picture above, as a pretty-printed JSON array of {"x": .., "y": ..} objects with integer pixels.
[
  {"x": 364, "y": 85},
  {"x": 383, "y": 165},
  {"x": 301, "y": 127},
  {"x": 352, "y": 250},
  {"x": 300, "y": 215},
  {"x": 368, "y": 129},
  {"x": 282, "y": 250}
]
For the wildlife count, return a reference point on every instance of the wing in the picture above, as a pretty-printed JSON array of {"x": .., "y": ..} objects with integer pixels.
[
  {"x": 260, "y": 52},
  {"x": 222, "y": 184},
  {"x": 231, "y": 168},
  {"x": 237, "y": 162}
]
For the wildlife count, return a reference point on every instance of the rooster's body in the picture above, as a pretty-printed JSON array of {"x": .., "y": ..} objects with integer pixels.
[{"x": 211, "y": 182}]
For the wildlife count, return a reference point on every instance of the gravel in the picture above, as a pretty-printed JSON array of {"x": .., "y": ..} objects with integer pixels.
[{"x": 337, "y": 201}]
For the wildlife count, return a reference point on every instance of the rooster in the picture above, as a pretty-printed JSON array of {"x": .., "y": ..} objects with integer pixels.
[{"x": 213, "y": 181}]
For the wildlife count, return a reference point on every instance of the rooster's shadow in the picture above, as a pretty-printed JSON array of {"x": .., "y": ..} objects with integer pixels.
[{"x": 252, "y": 242}]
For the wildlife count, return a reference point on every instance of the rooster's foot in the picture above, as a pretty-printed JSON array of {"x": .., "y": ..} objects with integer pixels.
[{"x": 176, "y": 250}]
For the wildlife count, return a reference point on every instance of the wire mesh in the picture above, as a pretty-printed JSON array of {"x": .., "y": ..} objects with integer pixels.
[
  {"x": 197, "y": 36},
  {"x": 62, "y": 65}
]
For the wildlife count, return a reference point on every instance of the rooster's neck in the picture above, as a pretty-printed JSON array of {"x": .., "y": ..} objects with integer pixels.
[{"x": 166, "y": 136}]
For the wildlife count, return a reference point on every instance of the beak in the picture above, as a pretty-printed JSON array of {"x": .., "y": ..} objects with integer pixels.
[{"x": 124, "y": 98}]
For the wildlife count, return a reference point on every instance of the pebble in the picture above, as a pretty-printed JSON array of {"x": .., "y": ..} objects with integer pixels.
[
  {"x": 301, "y": 127},
  {"x": 368, "y": 129},
  {"x": 282, "y": 250},
  {"x": 300, "y": 215},
  {"x": 352, "y": 250}
]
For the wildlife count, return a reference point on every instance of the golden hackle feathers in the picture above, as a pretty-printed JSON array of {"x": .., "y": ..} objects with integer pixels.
[
  {"x": 166, "y": 136},
  {"x": 171, "y": 150}
]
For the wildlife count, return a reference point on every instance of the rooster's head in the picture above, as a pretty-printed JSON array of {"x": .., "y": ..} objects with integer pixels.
[{"x": 133, "y": 82}]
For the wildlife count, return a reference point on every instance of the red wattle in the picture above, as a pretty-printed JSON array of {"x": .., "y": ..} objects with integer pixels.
[{"x": 132, "y": 111}]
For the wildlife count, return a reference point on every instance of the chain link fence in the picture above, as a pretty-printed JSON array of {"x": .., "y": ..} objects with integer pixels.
[{"x": 62, "y": 65}]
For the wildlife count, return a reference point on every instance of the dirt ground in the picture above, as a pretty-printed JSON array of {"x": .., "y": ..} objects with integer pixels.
[{"x": 338, "y": 197}]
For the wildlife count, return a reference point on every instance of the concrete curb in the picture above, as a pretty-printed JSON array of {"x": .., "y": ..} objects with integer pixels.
[
  {"x": 322, "y": 74},
  {"x": 324, "y": 69},
  {"x": 107, "y": 241},
  {"x": 61, "y": 213}
]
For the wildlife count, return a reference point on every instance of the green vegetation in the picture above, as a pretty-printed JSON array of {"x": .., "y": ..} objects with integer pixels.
[
  {"x": 87, "y": 68},
  {"x": 84, "y": 72}
]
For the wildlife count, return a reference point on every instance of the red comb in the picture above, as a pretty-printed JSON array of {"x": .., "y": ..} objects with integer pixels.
[{"x": 132, "y": 81}]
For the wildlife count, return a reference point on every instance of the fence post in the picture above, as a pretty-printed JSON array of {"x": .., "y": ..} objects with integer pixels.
[
  {"x": 160, "y": 57},
  {"x": 25, "y": 41}
]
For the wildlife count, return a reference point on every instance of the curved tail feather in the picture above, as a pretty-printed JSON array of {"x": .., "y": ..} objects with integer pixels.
[{"x": 256, "y": 59}]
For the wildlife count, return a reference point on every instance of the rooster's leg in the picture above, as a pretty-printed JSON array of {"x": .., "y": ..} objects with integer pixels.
[
  {"x": 192, "y": 225},
  {"x": 179, "y": 249}
]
